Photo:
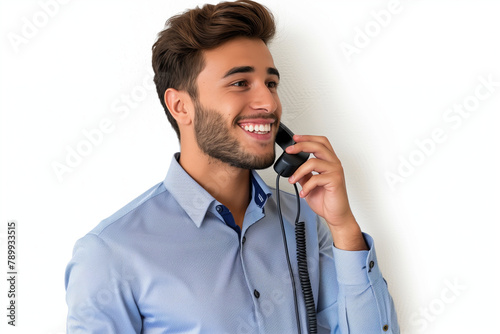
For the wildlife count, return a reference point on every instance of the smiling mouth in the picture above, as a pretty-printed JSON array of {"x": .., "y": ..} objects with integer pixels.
[{"x": 260, "y": 129}]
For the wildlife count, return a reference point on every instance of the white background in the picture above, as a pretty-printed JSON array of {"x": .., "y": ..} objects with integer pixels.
[{"x": 435, "y": 232}]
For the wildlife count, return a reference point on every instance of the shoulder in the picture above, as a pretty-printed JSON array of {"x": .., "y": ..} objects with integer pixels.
[
  {"x": 130, "y": 212},
  {"x": 98, "y": 251}
]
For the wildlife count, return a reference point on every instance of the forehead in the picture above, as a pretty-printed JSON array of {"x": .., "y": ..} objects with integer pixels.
[{"x": 234, "y": 53}]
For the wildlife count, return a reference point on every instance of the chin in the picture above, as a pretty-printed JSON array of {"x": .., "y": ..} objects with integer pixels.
[{"x": 250, "y": 161}]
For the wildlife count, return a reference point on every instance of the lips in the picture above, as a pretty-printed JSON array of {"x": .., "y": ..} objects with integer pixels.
[{"x": 256, "y": 128}]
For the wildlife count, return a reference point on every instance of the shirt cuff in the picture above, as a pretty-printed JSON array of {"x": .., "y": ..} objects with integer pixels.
[{"x": 357, "y": 267}]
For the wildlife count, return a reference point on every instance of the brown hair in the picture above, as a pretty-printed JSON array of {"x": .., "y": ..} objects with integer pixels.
[{"x": 177, "y": 54}]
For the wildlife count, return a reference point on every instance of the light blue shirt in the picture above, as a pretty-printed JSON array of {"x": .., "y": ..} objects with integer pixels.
[{"x": 173, "y": 261}]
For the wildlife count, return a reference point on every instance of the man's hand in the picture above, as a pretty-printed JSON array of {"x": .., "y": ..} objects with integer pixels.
[{"x": 325, "y": 190}]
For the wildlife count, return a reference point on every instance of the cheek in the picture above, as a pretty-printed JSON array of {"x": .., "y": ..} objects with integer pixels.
[
  {"x": 277, "y": 99},
  {"x": 230, "y": 106},
  {"x": 279, "y": 109}
]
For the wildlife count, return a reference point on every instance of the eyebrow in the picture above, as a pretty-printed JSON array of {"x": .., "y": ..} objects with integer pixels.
[{"x": 250, "y": 69}]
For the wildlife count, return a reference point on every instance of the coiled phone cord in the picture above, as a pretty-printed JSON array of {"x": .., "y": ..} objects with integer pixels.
[
  {"x": 301, "y": 264},
  {"x": 305, "y": 283}
]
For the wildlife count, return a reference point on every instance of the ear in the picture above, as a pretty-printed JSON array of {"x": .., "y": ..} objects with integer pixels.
[{"x": 180, "y": 105}]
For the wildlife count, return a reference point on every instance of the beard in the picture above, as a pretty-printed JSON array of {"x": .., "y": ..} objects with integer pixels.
[{"x": 218, "y": 143}]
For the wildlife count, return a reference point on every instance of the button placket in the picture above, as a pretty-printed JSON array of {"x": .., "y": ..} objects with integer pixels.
[{"x": 228, "y": 218}]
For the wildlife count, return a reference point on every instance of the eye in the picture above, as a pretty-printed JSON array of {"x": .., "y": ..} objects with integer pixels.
[
  {"x": 241, "y": 83},
  {"x": 272, "y": 84}
]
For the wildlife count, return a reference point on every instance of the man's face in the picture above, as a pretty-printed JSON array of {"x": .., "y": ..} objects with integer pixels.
[{"x": 238, "y": 109}]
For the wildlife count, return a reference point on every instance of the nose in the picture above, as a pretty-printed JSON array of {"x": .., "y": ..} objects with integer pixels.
[{"x": 264, "y": 100}]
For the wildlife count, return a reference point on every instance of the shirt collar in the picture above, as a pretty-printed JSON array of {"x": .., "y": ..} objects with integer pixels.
[
  {"x": 260, "y": 190},
  {"x": 195, "y": 200},
  {"x": 192, "y": 197}
]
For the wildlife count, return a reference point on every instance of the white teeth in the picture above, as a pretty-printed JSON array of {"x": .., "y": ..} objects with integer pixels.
[{"x": 258, "y": 128}]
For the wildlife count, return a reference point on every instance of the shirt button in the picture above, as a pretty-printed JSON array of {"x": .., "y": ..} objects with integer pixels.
[
  {"x": 218, "y": 208},
  {"x": 385, "y": 328},
  {"x": 256, "y": 293},
  {"x": 243, "y": 240},
  {"x": 372, "y": 264}
]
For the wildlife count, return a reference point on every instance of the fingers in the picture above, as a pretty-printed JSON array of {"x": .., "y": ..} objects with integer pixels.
[
  {"x": 331, "y": 182},
  {"x": 328, "y": 171},
  {"x": 316, "y": 172},
  {"x": 316, "y": 139},
  {"x": 317, "y": 145}
]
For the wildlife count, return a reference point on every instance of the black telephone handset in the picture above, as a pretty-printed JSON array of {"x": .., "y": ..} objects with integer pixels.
[{"x": 287, "y": 164}]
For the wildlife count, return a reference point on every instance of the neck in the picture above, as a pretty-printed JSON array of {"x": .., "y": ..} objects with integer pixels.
[{"x": 227, "y": 184}]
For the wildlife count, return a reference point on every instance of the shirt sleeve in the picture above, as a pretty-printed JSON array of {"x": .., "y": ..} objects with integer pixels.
[
  {"x": 98, "y": 291},
  {"x": 353, "y": 295}
]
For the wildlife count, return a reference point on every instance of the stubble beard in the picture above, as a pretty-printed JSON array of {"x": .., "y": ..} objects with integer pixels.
[{"x": 217, "y": 142}]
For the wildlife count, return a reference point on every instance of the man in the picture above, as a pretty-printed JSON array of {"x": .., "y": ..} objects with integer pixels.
[{"x": 201, "y": 252}]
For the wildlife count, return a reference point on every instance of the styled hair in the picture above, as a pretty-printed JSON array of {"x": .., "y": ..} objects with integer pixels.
[{"x": 177, "y": 53}]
